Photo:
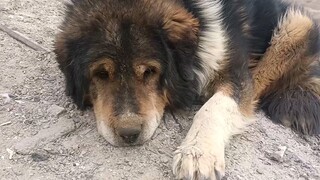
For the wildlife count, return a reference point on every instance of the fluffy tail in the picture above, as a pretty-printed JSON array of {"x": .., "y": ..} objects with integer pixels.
[{"x": 287, "y": 79}]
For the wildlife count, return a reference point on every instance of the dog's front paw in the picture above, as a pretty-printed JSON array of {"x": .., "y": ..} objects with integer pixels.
[{"x": 194, "y": 163}]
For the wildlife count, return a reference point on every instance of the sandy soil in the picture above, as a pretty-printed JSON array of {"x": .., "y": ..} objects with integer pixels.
[{"x": 43, "y": 135}]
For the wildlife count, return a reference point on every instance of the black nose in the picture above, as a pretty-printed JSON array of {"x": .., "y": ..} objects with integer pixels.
[{"x": 129, "y": 135}]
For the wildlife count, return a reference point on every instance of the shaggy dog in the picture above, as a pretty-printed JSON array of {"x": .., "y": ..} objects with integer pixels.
[{"x": 133, "y": 59}]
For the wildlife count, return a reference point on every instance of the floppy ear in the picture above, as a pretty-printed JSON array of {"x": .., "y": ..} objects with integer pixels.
[
  {"x": 181, "y": 26},
  {"x": 180, "y": 41},
  {"x": 182, "y": 30},
  {"x": 72, "y": 62}
]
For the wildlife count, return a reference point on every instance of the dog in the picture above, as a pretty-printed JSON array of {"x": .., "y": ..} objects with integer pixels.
[{"x": 131, "y": 60}]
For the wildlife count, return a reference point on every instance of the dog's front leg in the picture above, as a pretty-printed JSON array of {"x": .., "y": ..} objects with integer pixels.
[{"x": 201, "y": 154}]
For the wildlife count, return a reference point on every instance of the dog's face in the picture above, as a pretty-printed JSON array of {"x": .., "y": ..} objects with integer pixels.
[
  {"x": 129, "y": 60},
  {"x": 126, "y": 88}
]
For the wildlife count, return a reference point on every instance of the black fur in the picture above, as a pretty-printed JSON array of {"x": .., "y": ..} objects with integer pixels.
[
  {"x": 301, "y": 108},
  {"x": 179, "y": 77},
  {"x": 294, "y": 104},
  {"x": 177, "y": 59},
  {"x": 296, "y": 108},
  {"x": 238, "y": 47},
  {"x": 76, "y": 72}
]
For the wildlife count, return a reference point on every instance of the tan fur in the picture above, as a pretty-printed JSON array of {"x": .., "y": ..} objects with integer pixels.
[
  {"x": 102, "y": 107},
  {"x": 140, "y": 67},
  {"x": 105, "y": 64},
  {"x": 150, "y": 101},
  {"x": 101, "y": 97},
  {"x": 226, "y": 89},
  {"x": 202, "y": 152},
  {"x": 314, "y": 85},
  {"x": 177, "y": 21},
  {"x": 180, "y": 25},
  {"x": 287, "y": 49},
  {"x": 143, "y": 103},
  {"x": 248, "y": 104}
]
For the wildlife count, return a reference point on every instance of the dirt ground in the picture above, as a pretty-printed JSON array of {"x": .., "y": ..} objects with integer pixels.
[{"x": 44, "y": 136}]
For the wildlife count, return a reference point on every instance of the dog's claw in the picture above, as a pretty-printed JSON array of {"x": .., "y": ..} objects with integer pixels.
[{"x": 191, "y": 163}]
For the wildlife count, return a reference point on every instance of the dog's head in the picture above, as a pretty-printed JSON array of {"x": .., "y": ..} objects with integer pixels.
[{"x": 130, "y": 60}]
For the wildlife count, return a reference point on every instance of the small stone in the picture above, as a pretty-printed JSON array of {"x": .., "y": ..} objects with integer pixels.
[
  {"x": 99, "y": 162},
  {"x": 164, "y": 160},
  {"x": 11, "y": 153},
  {"x": 36, "y": 99},
  {"x": 19, "y": 102},
  {"x": 7, "y": 97},
  {"x": 259, "y": 171},
  {"x": 278, "y": 155},
  {"x": 46, "y": 126},
  {"x": 6, "y": 123},
  {"x": 56, "y": 111},
  {"x": 82, "y": 153},
  {"x": 76, "y": 164},
  {"x": 48, "y": 149},
  {"x": 36, "y": 157}
]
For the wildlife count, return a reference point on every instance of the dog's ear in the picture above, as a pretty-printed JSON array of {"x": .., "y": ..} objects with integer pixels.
[
  {"x": 182, "y": 33},
  {"x": 181, "y": 26},
  {"x": 72, "y": 62},
  {"x": 180, "y": 41},
  {"x": 179, "y": 80}
]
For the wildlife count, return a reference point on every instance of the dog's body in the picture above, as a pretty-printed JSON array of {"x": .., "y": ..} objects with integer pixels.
[{"x": 131, "y": 59}]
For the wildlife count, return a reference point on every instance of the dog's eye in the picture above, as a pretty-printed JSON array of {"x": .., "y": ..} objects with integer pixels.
[
  {"x": 104, "y": 75},
  {"x": 149, "y": 72}
]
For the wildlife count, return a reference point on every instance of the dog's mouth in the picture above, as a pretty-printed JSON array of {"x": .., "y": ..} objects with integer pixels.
[{"x": 129, "y": 134}]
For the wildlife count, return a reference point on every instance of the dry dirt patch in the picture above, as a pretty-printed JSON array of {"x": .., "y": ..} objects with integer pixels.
[{"x": 43, "y": 135}]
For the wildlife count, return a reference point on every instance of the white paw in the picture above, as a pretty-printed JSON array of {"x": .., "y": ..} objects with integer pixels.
[{"x": 195, "y": 163}]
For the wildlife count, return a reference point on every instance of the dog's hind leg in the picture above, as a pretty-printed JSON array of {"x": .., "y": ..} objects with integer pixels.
[{"x": 287, "y": 80}]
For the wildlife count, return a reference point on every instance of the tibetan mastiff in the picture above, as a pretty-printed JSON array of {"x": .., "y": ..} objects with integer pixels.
[{"x": 133, "y": 59}]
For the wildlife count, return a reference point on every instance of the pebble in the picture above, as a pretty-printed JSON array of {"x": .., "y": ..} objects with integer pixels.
[
  {"x": 99, "y": 162},
  {"x": 82, "y": 153},
  {"x": 76, "y": 164},
  {"x": 6, "y": 123},
  {"x": 7, "y": 97},
  {"x": 161, "y": 151},
  {"x": 36, "y": 157},
  {"x": 278, "y": 155},
  {"x": 164, "y": 160},
  {"x": 11, "y": 153},
  {"x": 56, "y": 111},
  {"x": 259, "y": 171}
]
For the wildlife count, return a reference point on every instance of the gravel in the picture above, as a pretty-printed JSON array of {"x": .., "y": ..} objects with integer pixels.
[{"x": 48, "y": 138}]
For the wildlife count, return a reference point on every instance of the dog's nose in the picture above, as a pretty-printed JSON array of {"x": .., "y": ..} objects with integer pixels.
[{"x": 129, "y": 135}]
